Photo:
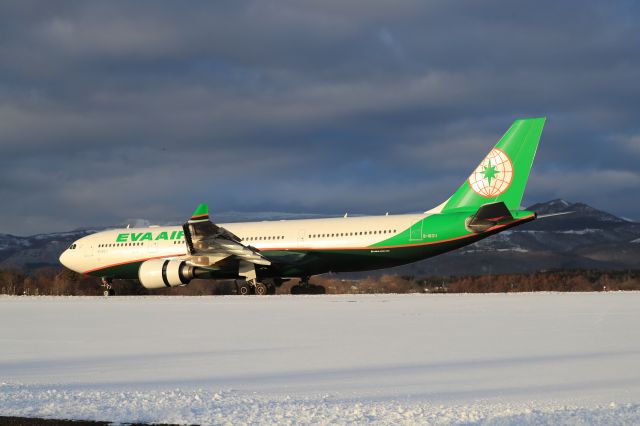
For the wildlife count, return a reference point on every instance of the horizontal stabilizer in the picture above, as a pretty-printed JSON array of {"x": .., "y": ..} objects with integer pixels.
[{"x": 488, "y": 216}]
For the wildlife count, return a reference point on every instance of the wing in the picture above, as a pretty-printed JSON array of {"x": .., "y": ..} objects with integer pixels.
[{"x": 209, "y": 243}]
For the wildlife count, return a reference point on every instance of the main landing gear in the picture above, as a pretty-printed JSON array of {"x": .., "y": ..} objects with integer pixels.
[
  {"x": 106, "y": 284},
  {"x": 244, "y": 288},
  {"x": 254, "y": 287},
  {"x": 251, "y": 285},
  {"x": 263, "y": 289}
]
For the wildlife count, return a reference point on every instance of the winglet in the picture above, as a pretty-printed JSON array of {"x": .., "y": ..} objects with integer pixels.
[{"x": 201, "y": 213}]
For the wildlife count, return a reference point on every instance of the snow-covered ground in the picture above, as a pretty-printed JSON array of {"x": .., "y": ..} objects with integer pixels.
[{"x": 439, "y": 359}]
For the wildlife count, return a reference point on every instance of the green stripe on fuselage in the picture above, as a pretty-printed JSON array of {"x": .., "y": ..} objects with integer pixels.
[
  {"x": 437, "y": 228},
  {"x": 432, "y": 229}
]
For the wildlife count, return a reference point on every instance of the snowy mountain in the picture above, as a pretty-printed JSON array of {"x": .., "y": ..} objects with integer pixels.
[
  {"x": 36, "y": 251},
  {"x": 585, "y": 238}
]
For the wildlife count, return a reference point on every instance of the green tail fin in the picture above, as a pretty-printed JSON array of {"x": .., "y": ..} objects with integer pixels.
[{"x": 502, "y": 175}]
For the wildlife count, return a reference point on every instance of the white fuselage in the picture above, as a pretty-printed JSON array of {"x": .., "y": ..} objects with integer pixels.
[{"x": 121, "y": 246}]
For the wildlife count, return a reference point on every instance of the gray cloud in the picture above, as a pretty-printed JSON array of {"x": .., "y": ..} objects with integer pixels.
[{"x": 116, "y": 110}]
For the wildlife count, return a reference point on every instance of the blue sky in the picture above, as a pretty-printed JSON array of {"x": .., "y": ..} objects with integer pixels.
[{"x": 111, "y": 111}]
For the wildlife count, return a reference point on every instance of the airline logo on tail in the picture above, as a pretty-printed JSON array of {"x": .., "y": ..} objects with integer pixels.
[{"x": 493, "y": 176}]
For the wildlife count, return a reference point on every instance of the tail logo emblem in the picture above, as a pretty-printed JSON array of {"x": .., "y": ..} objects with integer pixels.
[{"x": 493, "y": 176}]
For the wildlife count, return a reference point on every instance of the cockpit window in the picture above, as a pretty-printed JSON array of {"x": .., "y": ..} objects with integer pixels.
[{"x": 72, "y": 246}]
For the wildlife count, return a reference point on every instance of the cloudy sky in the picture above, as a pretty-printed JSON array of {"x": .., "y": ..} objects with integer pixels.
[{"x": 111, "y": 111}]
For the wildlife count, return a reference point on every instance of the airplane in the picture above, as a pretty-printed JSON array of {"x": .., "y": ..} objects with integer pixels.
[{"x": 260, "y": 256}]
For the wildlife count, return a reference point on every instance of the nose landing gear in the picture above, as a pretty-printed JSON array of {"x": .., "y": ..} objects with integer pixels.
[{"x": 106, "y": 284}]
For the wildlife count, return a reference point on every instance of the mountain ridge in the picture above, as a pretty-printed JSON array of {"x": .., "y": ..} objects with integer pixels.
[{"x": 585, "y": 238}]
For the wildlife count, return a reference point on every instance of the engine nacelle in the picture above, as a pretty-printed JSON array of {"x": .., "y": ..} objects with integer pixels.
[{"x": 160, "y": 273}]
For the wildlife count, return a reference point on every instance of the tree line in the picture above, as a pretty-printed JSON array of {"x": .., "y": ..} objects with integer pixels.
[{"x": 63, "y": 282}]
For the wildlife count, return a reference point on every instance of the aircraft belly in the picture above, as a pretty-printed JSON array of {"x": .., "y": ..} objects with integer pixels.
[{"x": 313, "y": 262}]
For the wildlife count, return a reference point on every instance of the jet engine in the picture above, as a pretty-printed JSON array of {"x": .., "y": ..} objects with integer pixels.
[{"x": 160, "y": 273}]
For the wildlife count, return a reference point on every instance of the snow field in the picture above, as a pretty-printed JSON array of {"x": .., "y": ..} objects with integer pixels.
[{"x": 383, "y": 359}]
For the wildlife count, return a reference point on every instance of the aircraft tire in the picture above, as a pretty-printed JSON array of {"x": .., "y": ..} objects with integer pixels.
[
  {"x": 262, "y": 289},
  {"x": 244, "y": 288}
]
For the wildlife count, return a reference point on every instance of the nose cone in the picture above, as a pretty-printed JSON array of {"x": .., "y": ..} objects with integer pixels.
[
  {"x": 64, "y": 258},
  {"x": 71, "y": 258}
]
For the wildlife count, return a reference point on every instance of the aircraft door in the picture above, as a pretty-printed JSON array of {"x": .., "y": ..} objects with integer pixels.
[
  {"x": 301, "y": 238},
  {"x": 415, "y": 231},
  {"x": 87, "y": 250}
]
